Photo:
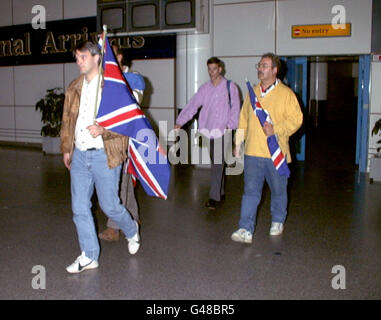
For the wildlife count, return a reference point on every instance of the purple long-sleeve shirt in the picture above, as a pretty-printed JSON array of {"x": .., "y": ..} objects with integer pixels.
[{"x": 215, "y": 112}]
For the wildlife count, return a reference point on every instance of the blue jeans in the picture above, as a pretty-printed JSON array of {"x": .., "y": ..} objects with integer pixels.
[
  {"x": 256, "y": 170},
  {"x": 89, "y": 169}
]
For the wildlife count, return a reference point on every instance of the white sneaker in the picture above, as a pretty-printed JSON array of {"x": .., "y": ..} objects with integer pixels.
[
  {"x": 134, "y": 242},
  {"x": 276, "y": 228},
  {"x": 242, "y": 235},
  {"x": 82, "y": 263}
]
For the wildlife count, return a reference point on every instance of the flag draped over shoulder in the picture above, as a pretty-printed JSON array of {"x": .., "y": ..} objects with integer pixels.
[
  {"x": 120, "y": 113},
  {"x": 277, "y": 155}
]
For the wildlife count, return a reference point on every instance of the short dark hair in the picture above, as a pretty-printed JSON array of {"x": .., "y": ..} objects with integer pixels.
[
  {"x": 275, "y": 61},
  {"x": 215, "y": 60},
  {"x": 119, "y": 51},
  {"x": 87, "y": 45}
]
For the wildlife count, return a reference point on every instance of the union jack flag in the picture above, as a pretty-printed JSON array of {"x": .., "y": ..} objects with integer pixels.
[
  {"x": 277, "y": 156},
  {"x": 120, "y": 113}
]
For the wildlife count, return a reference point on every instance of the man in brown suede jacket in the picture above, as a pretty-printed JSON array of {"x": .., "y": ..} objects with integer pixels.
[{"x": 94, "y": 157}]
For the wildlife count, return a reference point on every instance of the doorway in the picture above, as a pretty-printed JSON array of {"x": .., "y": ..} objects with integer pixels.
[{"x": 332, "y": 111}]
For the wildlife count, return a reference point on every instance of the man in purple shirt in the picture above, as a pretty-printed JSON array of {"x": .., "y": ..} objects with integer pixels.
[{"x": 220, "y": 110}]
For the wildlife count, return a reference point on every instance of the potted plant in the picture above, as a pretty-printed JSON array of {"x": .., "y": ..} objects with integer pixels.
[
  {"x": 377, "y": 129},
  {"x": 375, "y": 162},
  {"x": 51, "y": 108}
]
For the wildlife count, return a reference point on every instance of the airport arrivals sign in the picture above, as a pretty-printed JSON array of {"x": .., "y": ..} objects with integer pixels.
[
  {"x": 321, "y": 30},
  {"x": 24, "y": 45}
]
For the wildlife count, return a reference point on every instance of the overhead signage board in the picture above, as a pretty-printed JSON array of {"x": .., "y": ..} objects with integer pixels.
[
  {"x": 321, "y": 30},
  {"x": 23, "y": 45}
]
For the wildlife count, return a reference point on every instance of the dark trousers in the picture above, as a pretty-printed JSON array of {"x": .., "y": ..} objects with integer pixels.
[{"x": 217, "y": 181}]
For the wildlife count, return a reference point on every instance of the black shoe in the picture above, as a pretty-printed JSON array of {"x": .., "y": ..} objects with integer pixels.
[{"x": 211, "y": 204}]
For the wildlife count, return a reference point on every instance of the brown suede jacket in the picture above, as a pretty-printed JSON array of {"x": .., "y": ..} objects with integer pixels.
[{"x": 115, "y": 145}]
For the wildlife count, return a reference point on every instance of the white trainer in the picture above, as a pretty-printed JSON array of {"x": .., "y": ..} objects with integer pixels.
[
  {"x": 134, "y": 242},
  {"x": 276, "y": 228},
  {"x": 242, "y": 235},
  {"x": 82, "y": 263}
]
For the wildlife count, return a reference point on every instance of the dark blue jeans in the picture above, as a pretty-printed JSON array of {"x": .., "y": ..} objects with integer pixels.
[{"x": 256, "y": 171}]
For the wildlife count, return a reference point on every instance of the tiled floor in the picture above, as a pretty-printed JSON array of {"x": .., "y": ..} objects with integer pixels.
[{"x": 334, "y": 222}]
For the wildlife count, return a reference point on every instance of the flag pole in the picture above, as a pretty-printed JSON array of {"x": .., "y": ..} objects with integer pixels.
[{"x": 100, "y": 70}]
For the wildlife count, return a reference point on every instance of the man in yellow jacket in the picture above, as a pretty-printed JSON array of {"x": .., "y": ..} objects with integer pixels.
[{"x": 285, "y": 113}]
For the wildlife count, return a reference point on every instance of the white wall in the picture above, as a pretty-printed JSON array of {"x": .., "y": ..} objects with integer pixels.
[
  {"x": 7, "y": 110},
  {"x": 6, "y": 13},
  {"x": 304, "y": 12},
  {"x": 375, "y": 106},
  {"x": 159, "y": 97},
  {"x": 244, "y": 30},
  {"x": 79, "y": 9},
  {"x": 240, "y": 32},
  {"x": 22, "y": 86},
  {"x": 22, "y": 10}
]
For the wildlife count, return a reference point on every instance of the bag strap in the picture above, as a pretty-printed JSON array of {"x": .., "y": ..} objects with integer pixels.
[{"x": 230, "y": 100}]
